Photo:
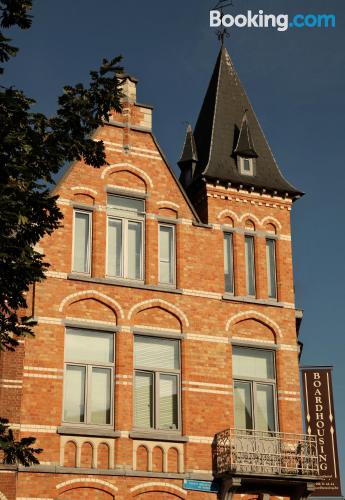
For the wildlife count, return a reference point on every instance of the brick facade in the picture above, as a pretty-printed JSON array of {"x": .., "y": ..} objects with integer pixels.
[{"x": 119, "y": 462}]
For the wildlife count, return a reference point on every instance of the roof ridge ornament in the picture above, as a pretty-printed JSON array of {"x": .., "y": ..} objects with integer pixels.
[{"x": 222, "y": 32}]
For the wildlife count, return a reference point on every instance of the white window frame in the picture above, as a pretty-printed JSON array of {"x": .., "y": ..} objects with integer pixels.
[
  {"x": 89, "y": 252},
  {"x": 156, "y": 372},
  {"x": 88, "y": 375},
  {"x": 242, "y": 159},
  {"x": 268, "y": 266},
  {"x": 125, "y": 218},
  {"x": 173, "y": 282},
  {"x": 257, "y": 381},
  {"x": 232, "y": 291}
]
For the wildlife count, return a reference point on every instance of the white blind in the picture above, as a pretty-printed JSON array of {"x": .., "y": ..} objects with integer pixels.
[
  {"x": 151, "y": 352},
  {"x": 166, "y": 254},
  {"x": 271, "y": 268},
  {"x": 81, "y": 255},
  {"x": 143, "y": 399},
  {"x": 250, "y": 265},
  {"x": 89, "y": 345},
  {"x": 168, "y": 402},
  {"x": 125, "y": 204},
  {"x": 252, "y": 363},
  {"x": 243, "y": 405},
  {"x": 100, "y": 396},
  {"x": 134, "y": 250},
  {"x": 228, "y": 263},
  {"x": 74, "y": 404},
  {"x": 264, "y": 417},
  {"x": 114, "y": 264}
]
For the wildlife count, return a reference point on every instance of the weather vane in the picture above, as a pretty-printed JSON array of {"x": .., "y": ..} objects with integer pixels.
[{"x": 222, "y": 32}]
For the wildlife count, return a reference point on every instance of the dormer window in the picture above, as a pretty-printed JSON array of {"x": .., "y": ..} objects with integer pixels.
[{"x": 246, "y": 165}]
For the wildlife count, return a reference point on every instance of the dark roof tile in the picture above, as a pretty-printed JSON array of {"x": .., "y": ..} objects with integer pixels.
[{"x": 227, "y": 126}]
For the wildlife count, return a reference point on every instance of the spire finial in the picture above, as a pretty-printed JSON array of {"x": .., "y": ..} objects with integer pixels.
[{"x": 222, "y": 32}]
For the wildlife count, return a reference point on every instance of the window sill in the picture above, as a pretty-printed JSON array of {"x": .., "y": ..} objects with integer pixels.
[
  {"x": 158, "y": 436},
  {"x": 125, "y": 283},
  {"x": 252, "y": 300},
  {"x": 81, "y": 430}
]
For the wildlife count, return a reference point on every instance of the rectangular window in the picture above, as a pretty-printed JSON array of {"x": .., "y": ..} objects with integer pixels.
[
  {"x": 125, "y": 237},
  {"x": 254, "y": 388},
  {"x": 271, "y": 268},
  {"x": 89, "y": 367},
  {"x": 167, "y": 264},
  {"x": 246, "y": 165},
  {"x": 250, "y": 264},
  {"x": 82, "y": 242},
  {"x": 157, "y": 383},
  {"x": 228, "y": 263}
]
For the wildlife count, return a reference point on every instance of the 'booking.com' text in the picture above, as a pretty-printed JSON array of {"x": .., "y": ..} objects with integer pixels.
[{"x": 282, "y": 22}]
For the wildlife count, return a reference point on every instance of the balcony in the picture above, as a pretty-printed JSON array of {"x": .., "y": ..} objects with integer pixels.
[
  {"x": 275, "y": 454},
  {"x": 266, "y": 463}
]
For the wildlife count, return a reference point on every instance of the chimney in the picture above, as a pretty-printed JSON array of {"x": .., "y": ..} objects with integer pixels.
[{"x": 128, "y": 87}]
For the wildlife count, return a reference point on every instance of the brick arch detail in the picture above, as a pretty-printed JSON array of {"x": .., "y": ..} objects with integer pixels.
[
  {"x": 251, "y": 314},
  {"x": 168, "y": 204},
  {"x": 131, "y": 168},
  {"x": 83, "y": 482},
  {"x": 148, "y": 304},
  {"x": 268, "y": 219},
  {"x": 92, "y": 294},
  {"x": 84, "y": 189},
  {"x": 230, "y": 213},
  {"x": 158, "y": 486},
  {"x": 250, "y": 216}
]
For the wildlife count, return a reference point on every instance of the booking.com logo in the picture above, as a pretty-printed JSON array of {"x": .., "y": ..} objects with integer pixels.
[{"x": 281, "y": 22}]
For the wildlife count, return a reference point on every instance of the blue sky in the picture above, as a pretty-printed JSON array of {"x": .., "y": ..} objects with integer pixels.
[{"x": 295, "y": 80}]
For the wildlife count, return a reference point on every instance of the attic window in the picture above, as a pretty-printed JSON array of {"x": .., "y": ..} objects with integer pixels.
[{"x": 246, "y": 165}]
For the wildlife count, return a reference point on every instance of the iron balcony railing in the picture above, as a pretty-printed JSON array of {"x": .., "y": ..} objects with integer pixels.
[{"x": 268, "y": 453}]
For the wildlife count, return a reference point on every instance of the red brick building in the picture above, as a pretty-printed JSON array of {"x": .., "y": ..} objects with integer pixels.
[{"x": 166, "y": 349}]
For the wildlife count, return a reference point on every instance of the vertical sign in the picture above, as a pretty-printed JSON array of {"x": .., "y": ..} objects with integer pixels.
[{"x": 319, "y": 416}]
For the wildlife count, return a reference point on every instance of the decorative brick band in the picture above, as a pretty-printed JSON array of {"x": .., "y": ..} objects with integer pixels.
[
  {"x": 55, "y": 274},
  {"x": 205, "y": 384},
  {"x": 201, "y": 293},
  {"x": 206, "y": 338},
  {"x": 6, "y": 383},
  {"x": 43, "y": 375},
  {"x": 208, "y": 391},
  {"x": 200, "y": 439},
  {"x": 43, "y": 369},
  {"x": 50, "y": 429},
  {"x": 28, "y": 498}
]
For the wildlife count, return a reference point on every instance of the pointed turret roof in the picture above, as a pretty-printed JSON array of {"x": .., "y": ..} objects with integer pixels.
[
  {"x": 245, "y": 145},
  {"x": 189, "y": 152},
  {"x": 227, "y": 127}
]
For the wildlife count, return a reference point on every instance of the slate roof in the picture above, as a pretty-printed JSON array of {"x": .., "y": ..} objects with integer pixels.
[
  {"x": 227, "y": 126},
  {"x": 189, "y": 149}
]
